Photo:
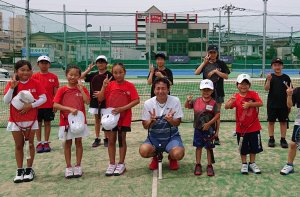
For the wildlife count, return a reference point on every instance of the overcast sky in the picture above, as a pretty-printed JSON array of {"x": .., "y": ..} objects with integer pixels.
[{"x": 245, "y": 24}]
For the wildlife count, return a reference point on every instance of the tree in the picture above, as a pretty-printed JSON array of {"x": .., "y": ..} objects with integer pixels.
[
  {"x": 296, "y": 51},
  {"x": 271, "y": 53}
]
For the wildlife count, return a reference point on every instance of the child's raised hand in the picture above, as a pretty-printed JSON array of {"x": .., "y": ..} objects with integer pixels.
[
  {"x": 152, "y": 114},
  {"x": 91, "y": 66},
  {"x": 269, "y": 76},
  {"x": 206, "y": 59},
  {"x": 106, "y": 81},
  {"x": 80, "y": 85},
  {"x": 232, "y": 98},
  {"x": 169, "y": 115},
  {"x": 189, "y": 98},
  {"x": 14, "y": 82},
  {"x": 289, "y": 90},
  {"x": 151, "y": 68}
]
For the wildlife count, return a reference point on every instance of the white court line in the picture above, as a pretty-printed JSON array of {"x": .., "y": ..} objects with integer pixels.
[{"x": 154, "y": 183}]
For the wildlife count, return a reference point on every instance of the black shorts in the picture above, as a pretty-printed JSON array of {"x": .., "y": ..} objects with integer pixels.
[
  {"x": 281, "y": 114},
  {"x": 45, "y": 114},
  {"x": 251, "y": 143},
  {"x": 123, "y": 129},
  {"x": 296, "y": 127}
]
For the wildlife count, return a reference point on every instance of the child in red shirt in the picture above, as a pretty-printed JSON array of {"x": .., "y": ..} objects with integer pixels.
[{"x": 248, "y": 126}]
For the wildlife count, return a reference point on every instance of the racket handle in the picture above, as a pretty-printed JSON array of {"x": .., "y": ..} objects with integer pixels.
[
  {"x": 159, "y": 170},
  {"x": 27, "y": 149}
]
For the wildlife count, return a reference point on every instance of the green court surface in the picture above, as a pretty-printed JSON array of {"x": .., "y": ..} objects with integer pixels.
[{"x": 137, "y": 181}]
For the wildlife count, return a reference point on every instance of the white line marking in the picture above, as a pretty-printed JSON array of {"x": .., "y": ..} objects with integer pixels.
[{"x": 154, "y": 184}]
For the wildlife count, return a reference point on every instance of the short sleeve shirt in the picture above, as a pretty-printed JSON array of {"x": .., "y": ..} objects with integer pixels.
[
  {"x": 246, "y": 121},
  {"x": 277, "y": 92},
  {"x": 166, "y": 72},
  {"x": 49, "y": 82},
  {"x": 296, "y": 102},
  {"x": 35, "y": 88},
  {"x": 76, "y": 92},
  {"x": 130, "y": 89}
]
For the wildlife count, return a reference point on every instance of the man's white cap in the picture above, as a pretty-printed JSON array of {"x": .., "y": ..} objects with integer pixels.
[
  {"x": 206, "y": 83},
  {"x": 101, "y": 57},
  {"x": 22, "y": 97},
  {"x": 44, "y": 57},
  {"x": 243, "y": 77},
  {"x": 76, "y": 122},
  {"x": 109, "y": 120}
]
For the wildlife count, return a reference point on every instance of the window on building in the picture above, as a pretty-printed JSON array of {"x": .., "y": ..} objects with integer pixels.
[
  {"x": 204, "y": 33},
  {"x": 194, "y": 33},
  {"x": 161, "y": 33},
  {"x": 33, "y": 45}
]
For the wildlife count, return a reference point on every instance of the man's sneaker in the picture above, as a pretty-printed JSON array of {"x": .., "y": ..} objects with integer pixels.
[
  {"x": 19, "y": 176},
  {"x": 120, "y": 169},
  {"x": 283, "y": 143},
  {"x": 105, "y": 142},
  {"x": 271, "y": 142},
  {"x": 77, "y": 172},
  {"x": 244, "y": 169},
  {"x": 210, "y": 170},
  {"x": 110, "y": 170},
  {"x": 69, "y": 173},
  {"x": 173, "y": 164},
  {"x": 198, "y": 169},
  {"x": 287, "y": 169},
  {"x": 254, "y": 168},
  {"x": 96, "y": 142},
  {"x": 154, "y": 163},
  {"x": 40, "y": 148},
  {"x": 47, "y": 147},
  {"x": 28, "y": 175},
  {"x": 217, "y": 141}
]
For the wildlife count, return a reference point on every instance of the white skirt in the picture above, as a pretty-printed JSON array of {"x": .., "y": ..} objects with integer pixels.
[
  {"x": 70, "y": 135},
  {"x": 11, "y": 126},
  {"x": 93, "y": 111}
]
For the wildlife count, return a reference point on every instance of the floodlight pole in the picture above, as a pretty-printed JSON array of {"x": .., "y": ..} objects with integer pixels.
[
  {"x": 65, "y": 37},
  {"x": 264, "y": 38},
  {"x": 27, "y": 29},
  {"x": 86, "y": 41}
]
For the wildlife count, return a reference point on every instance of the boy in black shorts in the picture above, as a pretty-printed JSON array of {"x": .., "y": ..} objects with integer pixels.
[{"x": 276, "y": 104}]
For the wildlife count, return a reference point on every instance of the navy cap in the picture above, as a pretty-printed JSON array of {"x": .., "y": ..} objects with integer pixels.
[
  {"x": 212, "y": 48},
  {"x": 276, "y": 60}
]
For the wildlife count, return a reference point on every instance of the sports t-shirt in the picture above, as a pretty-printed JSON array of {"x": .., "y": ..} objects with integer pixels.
[
  {"x": 89, "y": 78},
  {"x": 172, "y": 103},
  {"x": 63, "y": 121},
  {"x": 166, "y": 72},
  {"x": 35, "y": 88},
  {"x": 204, "y": 111},
  {"x": 129, "y": 88},
  {"x": 296, "y": 102},
  {"x": 49, "y": 82},
  {"x": 246, "y": 122},
  {"x": 219, "y": 85},
  {"x": 277, "y": 91}
]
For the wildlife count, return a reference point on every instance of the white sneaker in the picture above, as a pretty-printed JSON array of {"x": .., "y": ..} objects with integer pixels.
[
  {"x": 28, "y": 175},
  {"x": 244, "y": 169},
  {"x": 69, "y": 172},
  {"x": 254, "y": 168},
  {"x": 77, "y": 172},
  {"x": 287, "y": 169},
  {"x": 19, "y": 175},
  {"x": 110, "y": 170},
  {"x": 120, "y": 169}
]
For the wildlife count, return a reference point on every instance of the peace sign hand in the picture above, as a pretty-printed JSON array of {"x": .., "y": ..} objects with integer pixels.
[
  {"x": 106, "y": 81},
  {"x": 289, "y": 90},
  {"x": 189, "y": 98},
  {"x": 169, "y": 115},
  {"x": 91, "y": 66},
  {"x": 152, "y": 115},
  {"x": 14, "y": 82}
]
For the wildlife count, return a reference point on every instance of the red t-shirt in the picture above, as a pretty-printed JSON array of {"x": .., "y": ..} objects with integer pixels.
[
  {"x": 246, "y": 120},
  {"x": 36, "y": 89},
  {"x": 49, "y": 82},
  {"x": 130, "y": 90},
  {"x": 75, "y": 94}
]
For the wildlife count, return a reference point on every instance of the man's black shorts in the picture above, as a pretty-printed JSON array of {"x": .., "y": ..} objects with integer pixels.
[
  {"x": 45, "y": 114},
  {"x": 277, "y": 113}
]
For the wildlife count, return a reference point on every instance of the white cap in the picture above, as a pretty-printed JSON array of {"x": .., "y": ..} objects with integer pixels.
[
  {"x": 109, "y": 120},
  {"x": 44, "y": 57},
  {"x": 243, "y": 77},
  {"x": 206, "y": 83},
  {"x": 76, "y": 122},
  {"x": 22, "y": 97},
  {"x": 101, "y": 57}
]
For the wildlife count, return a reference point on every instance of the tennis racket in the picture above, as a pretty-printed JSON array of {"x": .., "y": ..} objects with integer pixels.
[
  {"x": 71, "y": 98},
  {"x": 208, "y": 68},
  {"x": 159, "y": 135},
  {"x": 245, "y": 119},
  {"x": 18, "y": 118},
  {"x": 297, "y": 138},
  {"x": 119, "y": 98}
]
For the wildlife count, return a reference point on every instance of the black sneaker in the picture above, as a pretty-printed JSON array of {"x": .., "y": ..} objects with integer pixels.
[
  {"x": 271, "y": 143},
  {"x": 217, "y": 141},
  {"x": 96, "y": 142},
  {"x": 105, "y": 142},
  {"x": 283, "y": 143},
  {"x": 19, "y": 176},
  {"x": 29, "y": 175}
]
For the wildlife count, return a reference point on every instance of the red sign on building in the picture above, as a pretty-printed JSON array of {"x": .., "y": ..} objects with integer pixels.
[{"x": 154, "y": 19}]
